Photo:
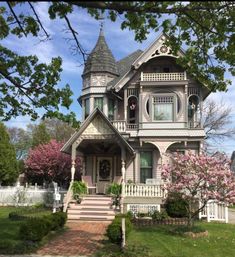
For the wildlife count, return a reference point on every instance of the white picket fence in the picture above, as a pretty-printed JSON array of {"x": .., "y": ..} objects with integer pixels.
[
  {"x": 26, "y": 196},
  {"x": 215, "y": 211}
]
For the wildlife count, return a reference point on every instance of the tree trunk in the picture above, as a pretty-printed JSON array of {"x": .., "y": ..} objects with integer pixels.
[{"x": 190, "y": 217}]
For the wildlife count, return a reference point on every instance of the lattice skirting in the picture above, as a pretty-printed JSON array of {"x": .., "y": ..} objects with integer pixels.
[{"x": 143, "y": 208}]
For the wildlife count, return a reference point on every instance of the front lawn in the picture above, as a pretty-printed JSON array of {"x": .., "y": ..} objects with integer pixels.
[
  {"x": 160, "y": 242},
  {"x": 9, "y": 229}
]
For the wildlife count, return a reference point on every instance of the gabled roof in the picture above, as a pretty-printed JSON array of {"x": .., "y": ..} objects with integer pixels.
[
  {"x": 67, "y": 146},
  {"x": 124, "y": 65},
  {"x": 101, "y": 58},
  {"x": 154, "y": 50}
]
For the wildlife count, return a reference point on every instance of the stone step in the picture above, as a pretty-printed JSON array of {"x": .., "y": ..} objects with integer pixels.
[
  {"x": 95, "y": 202},
  {"x": 90, "y": 206},
  {"x": 90, "y": 217},
  {"x": 81, "y": 211},
  {"x": 96, "y": 198}
]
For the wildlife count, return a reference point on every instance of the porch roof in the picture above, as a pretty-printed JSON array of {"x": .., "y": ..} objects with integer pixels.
[{"x": 106, "y": 125}]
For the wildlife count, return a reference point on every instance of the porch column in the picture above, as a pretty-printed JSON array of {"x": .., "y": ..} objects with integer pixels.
[
  {"x": 73, "y": 159},
  {"x": 123, "y": 170}
]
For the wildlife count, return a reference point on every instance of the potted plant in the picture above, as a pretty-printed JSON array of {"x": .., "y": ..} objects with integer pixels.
[
  {"x": 79, "y": 188},
  {"x": 115, "y": 190}
]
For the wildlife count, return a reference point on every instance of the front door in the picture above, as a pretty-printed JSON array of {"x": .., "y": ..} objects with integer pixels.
[{"x": 104, "y": 173}]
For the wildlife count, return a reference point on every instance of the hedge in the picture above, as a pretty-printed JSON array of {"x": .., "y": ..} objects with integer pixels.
[
  {"x": 114, "y": 231},
  {"x": 34, "y": 229}
]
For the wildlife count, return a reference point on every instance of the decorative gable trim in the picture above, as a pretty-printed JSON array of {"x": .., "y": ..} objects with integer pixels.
[
  {"x": 96, "y": 126},
  {"x": 158, "y": 48}
]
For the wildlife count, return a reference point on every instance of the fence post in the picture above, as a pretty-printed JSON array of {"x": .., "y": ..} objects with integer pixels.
[
  {"x": 208, "y": 212},
  {"x": 226, "y": 213},
  {"x": 123, "y": 233}
]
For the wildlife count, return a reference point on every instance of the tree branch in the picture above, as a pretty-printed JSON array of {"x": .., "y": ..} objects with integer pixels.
[
  {"x": 16, "y": 18},
  {"x": 74, "y": 33},
  {"x": 38, "y": 20},
  {"x": 126, "y": 7}
]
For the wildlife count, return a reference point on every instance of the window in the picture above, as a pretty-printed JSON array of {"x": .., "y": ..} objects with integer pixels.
[
  {"x": 145, "y": 166},
  {"x": 98, "y": 103},
  {"x": 87, "y": 108},
  {"x": 111, "y": 109},
  {"x": 163, "y": 108}
]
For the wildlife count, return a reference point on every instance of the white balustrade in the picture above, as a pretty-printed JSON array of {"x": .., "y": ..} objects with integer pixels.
[
  {"x": 120, "y": 125},
  {"x": 171, "y": 76},
  {"x": 143, "y": 190}
]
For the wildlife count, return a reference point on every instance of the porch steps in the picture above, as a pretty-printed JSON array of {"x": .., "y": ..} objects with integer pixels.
[{"x": 92, "y": 208}]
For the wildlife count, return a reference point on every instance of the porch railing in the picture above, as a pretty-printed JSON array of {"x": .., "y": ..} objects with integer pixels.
[
  {"x": 142, "y": 190},
  {"x": 123, "y": 126},
  {"x": 120, "y": 125},
  {"x": 169, "y": 76}
]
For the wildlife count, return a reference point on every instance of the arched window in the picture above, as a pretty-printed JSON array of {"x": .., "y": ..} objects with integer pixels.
[
  {"x": 132, "y": 109},
  {"x": 193, "y": 106}
]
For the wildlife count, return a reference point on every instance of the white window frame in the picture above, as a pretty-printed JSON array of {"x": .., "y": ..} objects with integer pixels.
[{"x": 163, "y": 95}]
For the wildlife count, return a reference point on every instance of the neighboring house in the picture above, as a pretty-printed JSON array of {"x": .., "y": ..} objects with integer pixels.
[{"x": 134, "y": 111}]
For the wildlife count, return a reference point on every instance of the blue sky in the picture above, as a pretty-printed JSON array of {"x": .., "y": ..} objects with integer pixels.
[{"x": 121, "y": 43}]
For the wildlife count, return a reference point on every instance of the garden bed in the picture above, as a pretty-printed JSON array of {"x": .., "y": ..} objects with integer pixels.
[{"x": 145, "y": 222}]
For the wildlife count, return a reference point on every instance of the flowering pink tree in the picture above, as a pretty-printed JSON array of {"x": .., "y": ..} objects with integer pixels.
[
  {"x": 199, "y": 178},
  {"x": 45, "y": 163}
]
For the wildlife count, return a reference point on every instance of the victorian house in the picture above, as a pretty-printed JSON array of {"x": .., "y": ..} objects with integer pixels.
[{"x": 135, "y": 110}]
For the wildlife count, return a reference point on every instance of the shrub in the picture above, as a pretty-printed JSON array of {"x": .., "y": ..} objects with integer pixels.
[
  {"x": 156, "y": 215},
  {"x": 57, "y": 220},
  {"x": 114, "y": 231},
  {"x": 15, "y": 247},
  {"x": 34, "y": 229},
  {"x": 176, "y": 206}
]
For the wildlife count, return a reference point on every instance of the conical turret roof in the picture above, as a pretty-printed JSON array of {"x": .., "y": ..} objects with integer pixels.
[{"x": 101, "y": 58}]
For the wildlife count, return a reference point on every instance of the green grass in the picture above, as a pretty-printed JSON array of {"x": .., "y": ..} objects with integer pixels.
[
  {"x": 160, "y": 242},
  {"x": 9, "y": 229}
]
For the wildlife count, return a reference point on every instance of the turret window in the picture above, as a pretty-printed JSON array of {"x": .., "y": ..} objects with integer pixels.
[
  {"x": 111, "y": 109},
  {"x": 99, "y": 103},
  {"x": 87, "y": 108}
]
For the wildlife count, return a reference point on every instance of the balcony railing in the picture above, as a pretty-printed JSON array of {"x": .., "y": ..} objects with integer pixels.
[
  {"x": 143, "y": 190},
  {"x": 171, "y": 76},
  {"x": 123, "y": 126},
  {"x": 194, "y": 124}
]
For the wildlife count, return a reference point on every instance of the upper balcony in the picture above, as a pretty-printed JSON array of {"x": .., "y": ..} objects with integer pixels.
[{"x": 156, "y": 77}]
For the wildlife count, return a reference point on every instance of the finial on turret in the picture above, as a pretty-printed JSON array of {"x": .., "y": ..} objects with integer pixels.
[{"x": 101, "y": 18}]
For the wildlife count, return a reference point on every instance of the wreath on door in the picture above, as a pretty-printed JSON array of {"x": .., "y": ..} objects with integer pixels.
[{"x": 104, "y": 169}]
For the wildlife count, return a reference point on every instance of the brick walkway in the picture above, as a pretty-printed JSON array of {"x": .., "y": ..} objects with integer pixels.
[{"x": 82, "y": 238}]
